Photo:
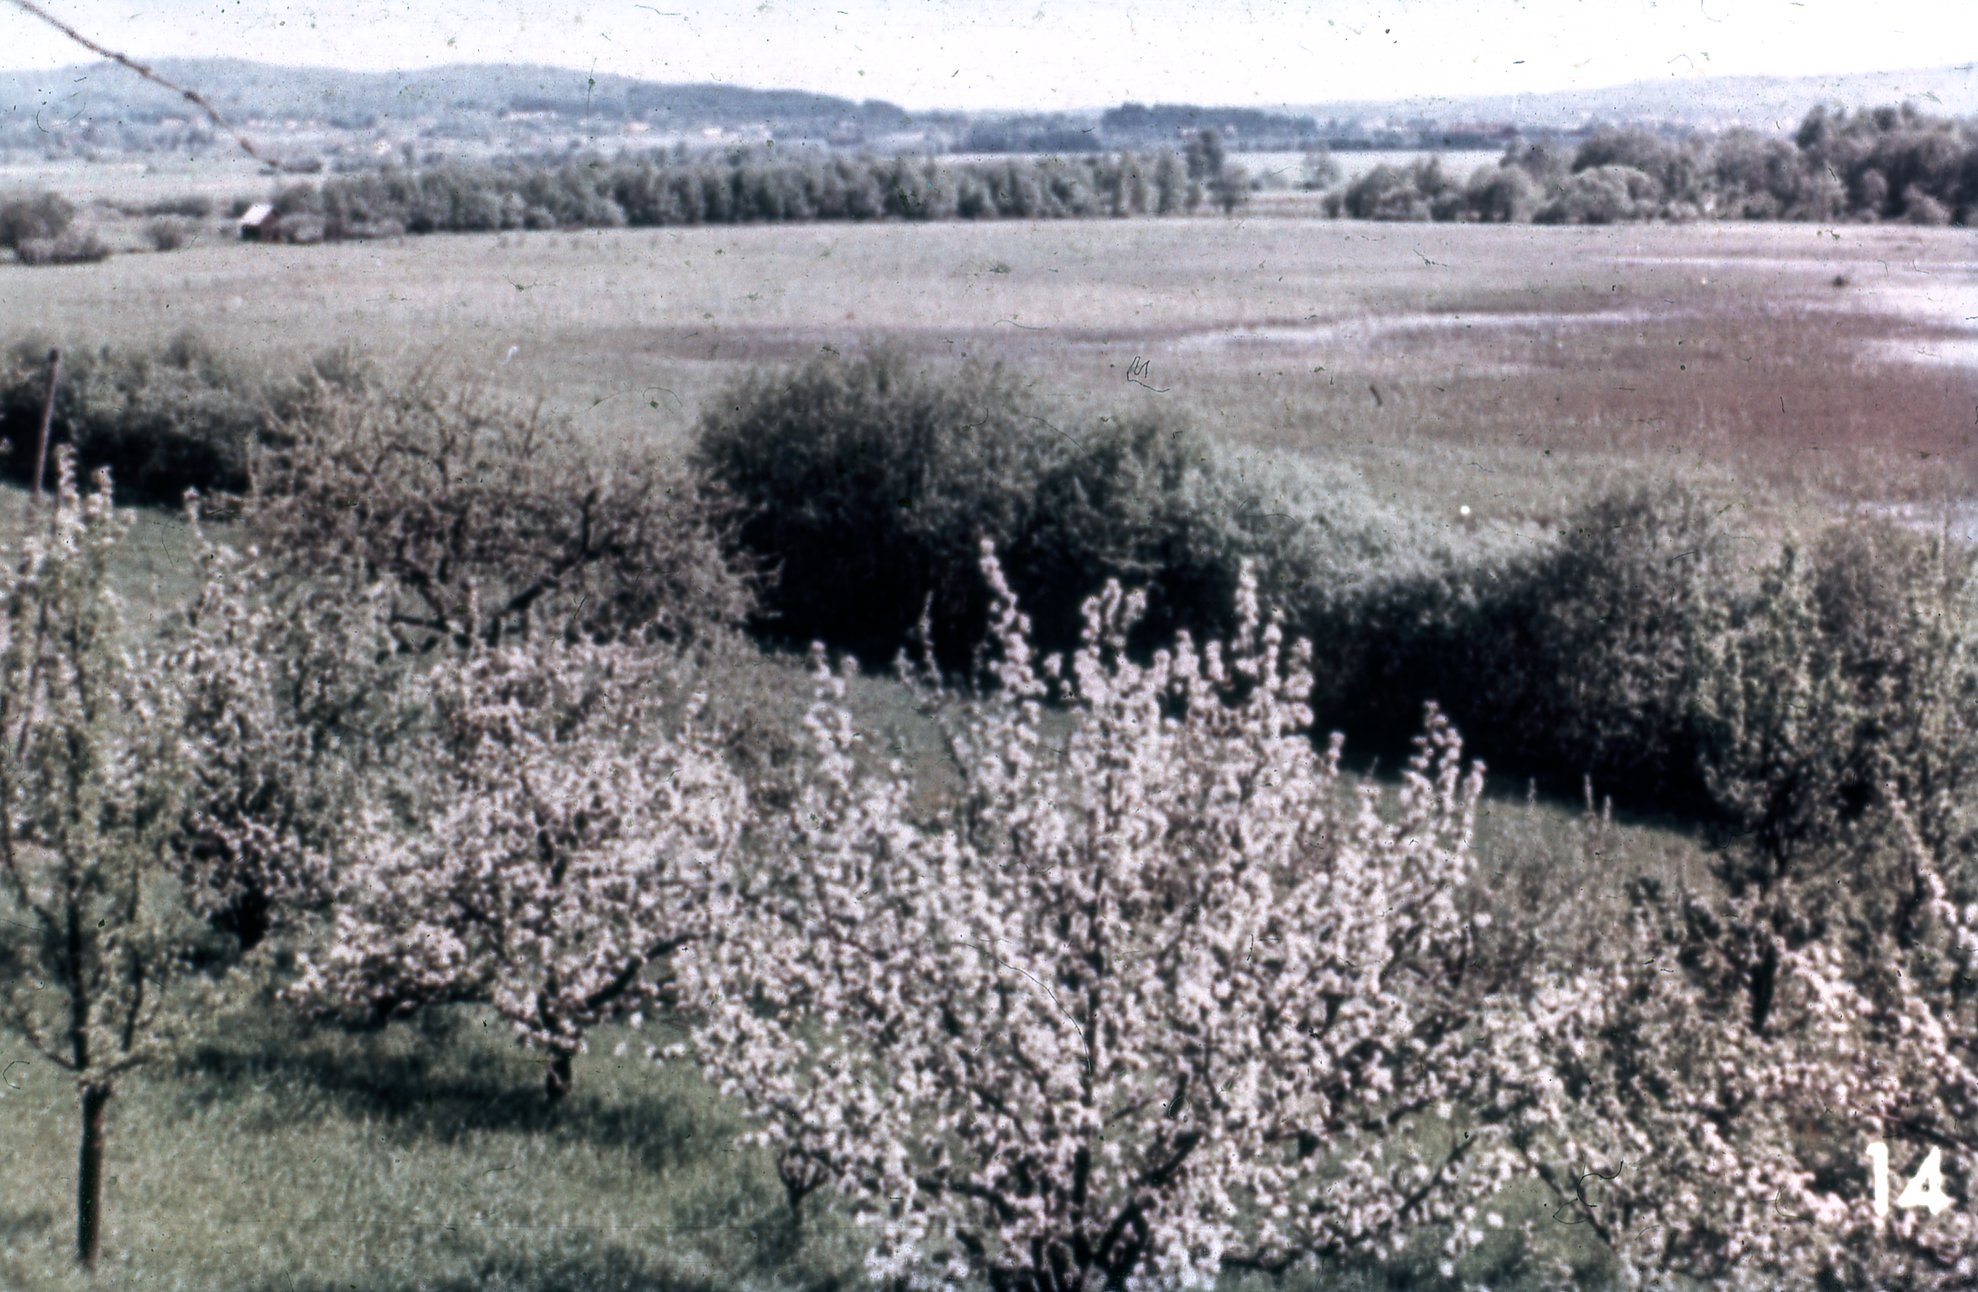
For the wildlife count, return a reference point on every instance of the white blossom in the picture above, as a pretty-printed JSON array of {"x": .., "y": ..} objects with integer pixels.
[
  {"x": 1157, "y": 994},
  {"x": 1733, "y": 1099},
  {"x": 575, "y": 832}
]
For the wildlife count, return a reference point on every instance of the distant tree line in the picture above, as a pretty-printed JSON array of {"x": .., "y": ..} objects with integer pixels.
[
  {"x": 1886, "y": 164},
  {"x": 754, "y": 188},
  {"x": 1890, "y": 163},
  {"x": 1052, "y": 132},
  {"x": 1138, "y": 123}
]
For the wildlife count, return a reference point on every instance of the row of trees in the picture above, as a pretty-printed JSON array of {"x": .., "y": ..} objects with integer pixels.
[
  {"x": 1888, "y": 164},
  {"x": 759, "y": 188},
  {"x": 1885, "y": 164},
  {"x": 1150, "y": 992}
]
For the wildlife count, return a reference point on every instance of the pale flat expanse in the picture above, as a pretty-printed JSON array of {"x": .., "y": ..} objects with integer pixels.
[
  {"x": 1355, "y": 162},
  {"x": 1516, "y": 365},
  {"x": 221, "y": 177}
]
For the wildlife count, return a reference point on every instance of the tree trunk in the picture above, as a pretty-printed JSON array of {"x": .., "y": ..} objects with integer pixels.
[
  {"x": 89, "y": 1176},
  {"x": 557, "y": 1084}
]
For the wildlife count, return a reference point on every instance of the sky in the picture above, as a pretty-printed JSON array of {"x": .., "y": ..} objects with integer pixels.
[{"x": 1048, "y": 54}]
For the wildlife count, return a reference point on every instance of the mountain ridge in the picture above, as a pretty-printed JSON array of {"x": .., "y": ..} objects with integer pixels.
[
  {"x": 1951, "y": 89},
  {"x": 251, "y": 90},
  {"x": 254, "y": 90}
]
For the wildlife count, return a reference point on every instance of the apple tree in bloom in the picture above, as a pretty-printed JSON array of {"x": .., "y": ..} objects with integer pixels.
[
  {"x": 1727, "y": 1067},
  {"x": 290, "y": 709},
  {"x": 1158, "y": 994},
  {"x": 573, "y": 829},
  {"x": 94, "y": 943}
]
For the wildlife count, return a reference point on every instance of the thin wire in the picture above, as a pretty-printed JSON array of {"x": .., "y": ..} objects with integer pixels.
[{"x": 191, "y": 96}]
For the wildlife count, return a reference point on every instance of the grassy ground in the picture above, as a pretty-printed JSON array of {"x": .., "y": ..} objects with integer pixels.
[
  {"x": 155, "y": 565},
  {"x": 275, "y": 1157}
]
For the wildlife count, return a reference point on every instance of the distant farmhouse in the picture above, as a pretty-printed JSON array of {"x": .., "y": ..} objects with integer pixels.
[{"x": 259, "y": 223}]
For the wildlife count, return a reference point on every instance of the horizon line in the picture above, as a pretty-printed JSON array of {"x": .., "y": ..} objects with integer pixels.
[{"x": 1404, "y": 97}]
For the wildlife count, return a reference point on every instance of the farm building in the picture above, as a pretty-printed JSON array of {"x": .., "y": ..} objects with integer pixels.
[{"x": 259, "y": 223}]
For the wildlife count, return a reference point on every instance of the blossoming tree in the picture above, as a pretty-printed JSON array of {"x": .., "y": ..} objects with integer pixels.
[
  {"x": 92, "y": 936},
  {"x": 289, "y": 710},
  {"x": 1777, "y": 1088},
  {"x": 572, "y": 832},
  {"x": 1158, "y": 997}
]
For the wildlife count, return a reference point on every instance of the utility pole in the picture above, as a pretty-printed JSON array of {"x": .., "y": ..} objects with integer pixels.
[{"x": 47, "y": 420}]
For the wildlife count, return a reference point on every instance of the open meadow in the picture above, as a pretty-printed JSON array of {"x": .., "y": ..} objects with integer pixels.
[
  {"x": 1504, "y": 369},
  {"x": 1482, "y": 381}
]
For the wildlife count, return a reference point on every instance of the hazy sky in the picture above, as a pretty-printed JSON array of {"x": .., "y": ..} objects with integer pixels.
[{"x": 1050, "y": 53}]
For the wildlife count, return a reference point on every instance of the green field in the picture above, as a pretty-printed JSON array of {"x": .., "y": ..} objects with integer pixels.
[{"x": 1509, "y": 371}]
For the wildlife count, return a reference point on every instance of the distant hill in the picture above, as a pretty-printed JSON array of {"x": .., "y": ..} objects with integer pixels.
[
  {"x": 106, "y": 106},
  {"x": 250, "y": 91},
  {"x": 1764, "y": 102}
]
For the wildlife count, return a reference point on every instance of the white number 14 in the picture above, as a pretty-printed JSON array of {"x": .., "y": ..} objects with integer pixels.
[{"x": 1925, "y": 1188}]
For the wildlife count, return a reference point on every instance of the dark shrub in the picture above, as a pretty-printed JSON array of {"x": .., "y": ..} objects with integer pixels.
[
  {"x": 1670, "y": 165},
  {"x": 166, "y": 234},
  {"x": 1897, "y": 610},
  {"x": 193, "y": 206},
  {"x": 180, "y": 418},
  {"x": 1844, "y": 678},
  {"x": 1919, "y": 207},
  {"x": 1578, "y": 658},
  {"x": 867, "y": 484},
  {"x": 1627, "y": 647},
  {"x": 1159, "y": 507},
  {"x": 1163, "y": 508},
  {"x": 1386, "y": 193},
  {"x": 71, "y": 248},
  {"x": 1501, "y": 195},
  {"x": 1602, "y": 195},
  {"x": 42, "y": 218},
  {"x": 1397, "y": 639},
  {"x": 1785, "y": 709},
  {"x": 1619, "y": 611}
]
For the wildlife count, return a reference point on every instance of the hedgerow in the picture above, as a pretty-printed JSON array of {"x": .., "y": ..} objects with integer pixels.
[
  {"x": 1884, "y": 163},
  {"x": 1611, "y": 649},
  {"x": 866, "y": 484},
  {"x": 660, "y": 191}
]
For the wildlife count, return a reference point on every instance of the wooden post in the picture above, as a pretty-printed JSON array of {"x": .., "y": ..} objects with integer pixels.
[{"x": 47, "y": 420}]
